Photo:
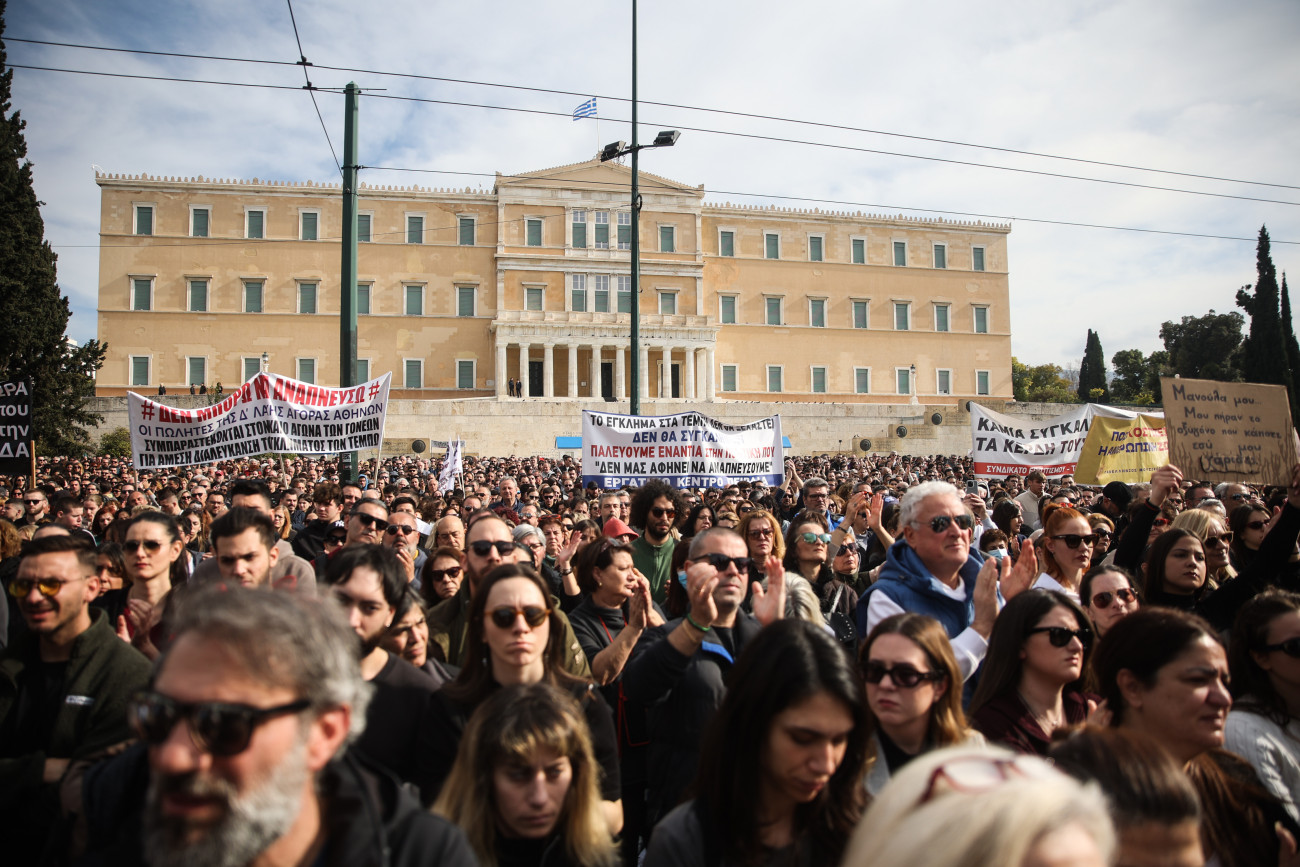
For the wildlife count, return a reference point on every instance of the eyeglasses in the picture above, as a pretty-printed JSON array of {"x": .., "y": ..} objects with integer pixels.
[
  {"x": 1059, "y": 636},
  {"x": 1161, "y": 522},
  {"x": 722, "y": 561},
  {"x": 745, "y": 510},
  {"x": 394, "y": 529},
  {"x": 902, "y": 676},
  {"x": 482, "y": 547},
  {"x": 1102, "y": 534},
  {"x": 1240, "y": 497},
  {"x": 1291, "y": 647},
  {"x": 1222, "y": 540},
  {"x": 660, "y": 512},
  {"x": 48, "y": 587},
  {"x": 336, "y": 538},
  {"x": 760, "y": 532},
  {"x": 1123, "y": 594},
  {"x": 814, "y": 538},
  {"x": 505, "y": 616},
  {"x": 370, "y": 521},
  {"x": 152, "y": 546},
  {"x": 940, "y": 523},
  {"x": 1072, "y": 540},
  {"x": 440, "y": 574},
  {"x": 220, "y": 728},
  {"x": 33, "y": 502}
]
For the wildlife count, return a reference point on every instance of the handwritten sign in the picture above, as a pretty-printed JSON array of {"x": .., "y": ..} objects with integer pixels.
[
  {"x": 1122, "y": 450},
  {"x": 1229, "y": 431}
]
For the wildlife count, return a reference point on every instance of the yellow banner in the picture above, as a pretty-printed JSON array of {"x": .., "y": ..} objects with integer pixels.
[{"x": 1122, "y": 450}]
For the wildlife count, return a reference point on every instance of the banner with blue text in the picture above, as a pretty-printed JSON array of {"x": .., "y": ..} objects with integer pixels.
[
  {"x": 687, "y": 450},
  {"x": 267, "y": 414}
]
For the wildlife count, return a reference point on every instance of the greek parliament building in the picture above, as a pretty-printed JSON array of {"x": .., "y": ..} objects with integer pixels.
[{"x": 462, "y": 290}]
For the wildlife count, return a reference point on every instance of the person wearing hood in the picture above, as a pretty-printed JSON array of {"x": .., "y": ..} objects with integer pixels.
[{"x": 932, "y": 570}]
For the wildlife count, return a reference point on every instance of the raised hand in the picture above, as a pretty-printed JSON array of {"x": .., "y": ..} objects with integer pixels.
[
  {"x": 768, "y": 606},
  {"x": 1020, "y": 577},
  {"x": 1164, "y": 481}
]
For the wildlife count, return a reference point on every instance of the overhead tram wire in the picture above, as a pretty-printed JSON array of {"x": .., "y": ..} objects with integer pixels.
[
  {"x": 304, "y": 63},
  {"x": 732, "y": 113}
]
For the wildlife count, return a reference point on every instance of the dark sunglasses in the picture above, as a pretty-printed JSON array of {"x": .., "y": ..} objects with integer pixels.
[
  {"x": 1222, "y": 540},
  {"x": 336, "y": 538},
  {"x": 903, "y": 676},
  {"x": 153, "y": 546},
  {"x": 394, "y": 529},
  {"x": 505, "y": 616},
  {"x": 660, "y": 512},
  {"x": 1256, "y": 525},
  {"x": 370, "y": 520},
  {"x": 1059, "y": 636},
  {"x": 1291, "y": 647},
  {"x": 1123, "y": 594},
  {"x": 483, "y": 547},
  {"x": 1102, "y": 534},
  {"x": 440, "y": 574},
  {"x": 940, "y": 523},
  {"x": 722, "y": 561},
  {"x": 218, "y": 727},
  {"x": 1240, "y": 497},
  {"x": 760, "y": 532},
  {"x": 1072, "y": 540}
]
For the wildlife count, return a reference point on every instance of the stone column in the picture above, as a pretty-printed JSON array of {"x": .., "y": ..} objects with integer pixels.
[
  {"x": 548, "y": 370},
  {"x": 500, "y": 373},
  {"x": 644, "y": 351},
  {"x": 710, "y": 374},
  {"x": 689, "y": 370},
  {"x": 620, "y": 373},
  {"x": 594, "y": 379},
  {"x": 524, "y": 388},
  {"x": 573, "y": 370}
]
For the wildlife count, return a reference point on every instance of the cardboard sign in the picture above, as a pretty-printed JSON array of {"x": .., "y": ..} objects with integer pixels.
[
  {"x": 16, "y": 430},
  {"x": 1230, "y": 431},
  {"x": 1123, "y": 450},
  {"x": 687, "y": 450}
]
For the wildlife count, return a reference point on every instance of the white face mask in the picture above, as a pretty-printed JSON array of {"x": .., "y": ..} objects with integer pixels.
[{"x": 996, "y": 553}]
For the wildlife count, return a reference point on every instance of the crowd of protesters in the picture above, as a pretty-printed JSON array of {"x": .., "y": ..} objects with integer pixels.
[{"x": 880, "y": 660}]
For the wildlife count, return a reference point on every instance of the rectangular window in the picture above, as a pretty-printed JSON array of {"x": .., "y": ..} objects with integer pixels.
[
  {"x": 859, "y": 251},
  {"x": 198, "y": 296},
  {"x": 624, "y": 285},
  {"x": 254, "y": 223},
  {"x": 199, "y": 222},
  {"x": 196, "y": 371},
  {"x": 579, "y": 295},
  {"x": 862, "y": 380},
  {"x": 307, "y": 298},
  {"x": 900, "y": 254},
  {"x": 941, "y": 255},
  {"x": 252, "y": 296},
  {"x": 144, "y": 222},
  {"x": 775, "y": 374},
  {"x": 252, "y": 367},
  {"x": 414, "y": 300},
  {"x": 902, "y": 316},
  {"x": 941, "y": 317},
  {"x": 727, "y": 309},
  {"x": 943, "y": 381},
  {"x": 772, "y": 245},
  {"x": 726, "y": 243},
  {"x": 977, "y": 258},
  {"x": 982, "y": 382},
  {"x": 904, "y": 376},
  {"x": 363, "y": 299},
  {"x": 601, "y": 299},
  {"x": 363, "y": 370},
  {"x": 465, "y": 301},
  {"x": 307, "y": 370},
  {"x": 667, "y": 239},
  {"x": 819, "y": 380},
  {"x": 816, "y": 245},
  {"x": 414, "y": 229},
  {"x": 602, "y": 230},
  {"x": 413, "y": 373},
  {"x": 624, "y": 230},
  {"x": 466, "y": 235},
  {"x": 579, "y": 229},
  {"x": 533, "y": 233},
  {"x": 364, "y": 222},
  {"x": 817, "y": 312},
  {"x": 533, "y": 297},
  {"x": 141, "y": 293},
  {"x": 464, "y": 374},
  {"x": 981, "y": 320},
  {"x": 861, "y": 314},
  {"x": 308, "y": 226},
  {"x": 773, "y": 308},
  {"x": 728, "y": 377},
  {"x": 139, "y": 370},
  {"x": 667, "y": 303}
]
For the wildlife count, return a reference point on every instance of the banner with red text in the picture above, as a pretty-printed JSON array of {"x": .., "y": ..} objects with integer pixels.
[
  {"x": 1003, "y": 444},
  {"x": 269, "y": 413}
]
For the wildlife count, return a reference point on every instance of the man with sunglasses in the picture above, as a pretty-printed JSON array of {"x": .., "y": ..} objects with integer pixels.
[
  {"x": 37, "y": 503},
  {"x": 64, "y": 684},
  {"x": 654, "y": 511},
  {"x": 403, "y": 535}
]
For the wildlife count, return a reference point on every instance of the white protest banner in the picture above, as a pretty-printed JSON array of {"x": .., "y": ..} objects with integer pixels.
[
  {"x": 451, "y": 467},
  {"x": 1002, "y": 444},
  {"x": 687, "y": 450},
  {"x": 269, "y": 413}
]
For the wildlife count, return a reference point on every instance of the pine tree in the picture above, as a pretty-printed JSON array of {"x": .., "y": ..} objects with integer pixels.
[
  {"x": 33, "y": 313},
  {"x": 1292, "y": 348},
  {"x": 1092, "y": 372},
  {"x": 1264, "y": 352}
]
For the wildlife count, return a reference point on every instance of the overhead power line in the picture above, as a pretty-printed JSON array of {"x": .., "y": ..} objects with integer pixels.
[{"x": 304, "y": 63}]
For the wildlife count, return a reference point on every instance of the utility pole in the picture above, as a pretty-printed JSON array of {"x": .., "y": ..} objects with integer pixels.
[{"x": 348, "y": 271}]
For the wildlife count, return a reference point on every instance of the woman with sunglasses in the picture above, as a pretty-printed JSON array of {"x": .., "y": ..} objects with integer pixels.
[
  {"x": 441, "y": 575},
  {"x": 152, "y": 552},
  {"x": 913, "y": 695},
  {"x": 1108, "y": 594},
  {"x": 513, "y": 635},
  {"x": 1249, "y": 525},
  {"x": 1213, "y": 532},
  {"x": 1066, "y": 548},
  {"x": 780, "y": 774},
  {"x": 1104, "y": 529},
  {"x": 1032, "y": 680}
]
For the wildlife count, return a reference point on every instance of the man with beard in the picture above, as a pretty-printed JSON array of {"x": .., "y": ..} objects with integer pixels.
[
  {"x": 368, "y": 581},
  {"x": 288, "y": 571},
  {"x": 654, "y": 511},
  {"x": 64, "y": 684},
  {"x": 403, "y": 536},
  {"x": 243, "y": 547}
]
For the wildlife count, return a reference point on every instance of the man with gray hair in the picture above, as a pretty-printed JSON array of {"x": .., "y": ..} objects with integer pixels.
[
  {"x": 817, "y": 499},
  {"x": 245, "y": 733}
]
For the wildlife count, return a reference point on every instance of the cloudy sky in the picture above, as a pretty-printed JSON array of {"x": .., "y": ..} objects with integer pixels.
[{"x": 1199, "y": 87}]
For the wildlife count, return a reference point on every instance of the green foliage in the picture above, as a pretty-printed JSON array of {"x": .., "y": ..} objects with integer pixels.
[
  {"x": 33, "y": 313},
  {"x": 1292, "y": 349},
  {"x": 1264, "y": 352},
  {"x": 116, "y": 443},
  {"x": 1205, "y": 347},
  {"x": 1092, "y": 371},
  {"x": 1042, "y": 383},
  {"x": 1137, "y": 376}
]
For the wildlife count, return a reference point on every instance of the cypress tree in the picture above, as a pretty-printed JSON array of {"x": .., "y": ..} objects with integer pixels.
[
  {"x": 1292, "y": 348},
  {"x": 1093, "y": 387},
  {"x": 33, "y": 313},
  {"x": 1264, "y": 352}
]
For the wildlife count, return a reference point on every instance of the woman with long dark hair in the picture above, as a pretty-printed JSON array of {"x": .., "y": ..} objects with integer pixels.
[
  {"x": 152, "y": 551},
  {"x": 780, "y": 774}
]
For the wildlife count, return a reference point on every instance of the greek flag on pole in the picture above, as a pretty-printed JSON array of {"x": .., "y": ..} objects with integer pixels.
[
  {"x": 586, "y": 109},
  {"x": 451, "y": 466}
]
